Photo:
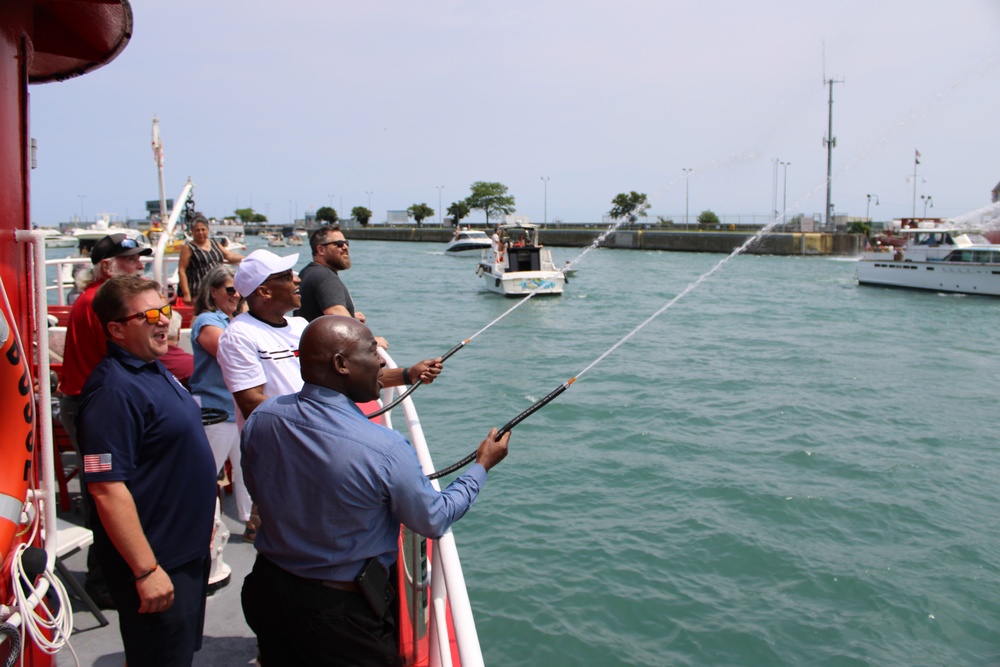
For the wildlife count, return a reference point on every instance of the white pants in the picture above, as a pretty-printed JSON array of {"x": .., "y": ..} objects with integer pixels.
[{"x": 225, "y": 441}]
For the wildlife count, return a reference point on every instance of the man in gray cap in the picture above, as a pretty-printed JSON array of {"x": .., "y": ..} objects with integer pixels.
[{"x": 86, "y": 345}]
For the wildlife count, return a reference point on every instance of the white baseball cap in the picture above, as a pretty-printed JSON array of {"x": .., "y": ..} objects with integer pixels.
[{"x": 257, "y": 267}]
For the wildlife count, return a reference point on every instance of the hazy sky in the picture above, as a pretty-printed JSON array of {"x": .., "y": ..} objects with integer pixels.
[{"x": 295, "y": 105}]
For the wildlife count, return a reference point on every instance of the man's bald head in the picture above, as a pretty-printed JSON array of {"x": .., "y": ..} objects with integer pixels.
[{"x": 339, "y": 353}]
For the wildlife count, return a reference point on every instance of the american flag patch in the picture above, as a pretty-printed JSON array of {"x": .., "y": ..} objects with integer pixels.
[{"x": 96, "y": 462}]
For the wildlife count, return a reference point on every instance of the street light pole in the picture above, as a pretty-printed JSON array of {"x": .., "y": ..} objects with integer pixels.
[
  {"x": 687, "y": 192},
  {"x": 774, "y": 191},
  {"x": 545, "y": 180},
  {"x": 439, "y": 189},
  {"x": 369, "y": 193},
  {"x": 784, "y": 197},
  {"x": 869, "y": 208}
]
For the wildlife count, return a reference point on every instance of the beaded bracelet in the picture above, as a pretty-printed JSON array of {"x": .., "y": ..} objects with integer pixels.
[{"x": 148, "y": 572}]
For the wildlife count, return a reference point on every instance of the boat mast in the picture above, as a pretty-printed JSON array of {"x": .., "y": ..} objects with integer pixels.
[{"x": 158, "y": 159}]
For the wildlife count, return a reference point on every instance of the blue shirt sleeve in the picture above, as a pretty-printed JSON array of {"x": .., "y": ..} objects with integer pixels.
[
  {"x": 417, "y": 504},
  {"x": 109, "y": 428}
]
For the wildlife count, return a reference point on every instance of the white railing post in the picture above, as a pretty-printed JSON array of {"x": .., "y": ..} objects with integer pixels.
[{"x": 446, "y": 564}]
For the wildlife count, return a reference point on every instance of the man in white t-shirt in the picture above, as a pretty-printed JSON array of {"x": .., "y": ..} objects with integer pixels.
[{"x": 259, "y": 350}]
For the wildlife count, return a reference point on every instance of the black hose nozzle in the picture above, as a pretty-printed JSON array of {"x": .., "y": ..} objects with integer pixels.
[
  {"x": 399, "y": 399},
  {"x": 505, "y": 428}
]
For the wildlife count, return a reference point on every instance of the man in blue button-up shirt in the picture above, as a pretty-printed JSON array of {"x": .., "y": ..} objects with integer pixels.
[{"x": 332, "y": 489}]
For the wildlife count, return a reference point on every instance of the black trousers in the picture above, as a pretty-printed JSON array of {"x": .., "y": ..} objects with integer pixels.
[
  {"x": 300, "y": 622},
  {"x": 169, "y": 638}
]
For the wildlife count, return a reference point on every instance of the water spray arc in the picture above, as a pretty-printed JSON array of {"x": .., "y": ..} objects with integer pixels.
[
  {"x": 987, "y": 210},
  {"x": 566, "y": 385},
  {"x": 567, "y": 267}
]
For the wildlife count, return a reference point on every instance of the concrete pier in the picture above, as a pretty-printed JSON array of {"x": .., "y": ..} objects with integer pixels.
[{"x": 778, "y": 243}]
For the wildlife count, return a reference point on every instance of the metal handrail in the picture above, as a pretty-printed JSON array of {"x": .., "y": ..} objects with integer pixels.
[
  {"x": 447, "y": 579},
  {"x": 60, "y": 261}
]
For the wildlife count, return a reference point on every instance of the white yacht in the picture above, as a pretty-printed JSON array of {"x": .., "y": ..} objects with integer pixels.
[
  {"x": 467, "y": 242},
  {"x": 936, "y": 257}
]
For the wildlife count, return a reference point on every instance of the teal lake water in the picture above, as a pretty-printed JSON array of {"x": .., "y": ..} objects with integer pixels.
[{"x": 782, "y": 469}]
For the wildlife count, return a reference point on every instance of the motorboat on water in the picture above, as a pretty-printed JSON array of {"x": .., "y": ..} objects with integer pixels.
[
  {"x": 229, "y": 234},
  {"x": 277, "y": 241},
  {"x": 518, "y": 265},
  {"x": 468, "y": 242},
  {"x": 230, "y": 243},
  {"x": 937, "y": 256}
]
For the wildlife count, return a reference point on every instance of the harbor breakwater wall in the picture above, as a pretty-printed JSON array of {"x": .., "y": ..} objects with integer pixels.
[{"x": 787, "y": 243}]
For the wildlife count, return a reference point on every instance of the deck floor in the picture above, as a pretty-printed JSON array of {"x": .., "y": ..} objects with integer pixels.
[{"x": 228, "y": 641}]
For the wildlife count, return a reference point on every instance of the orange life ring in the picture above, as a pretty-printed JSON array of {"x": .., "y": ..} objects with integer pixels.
[{"x": 17, "y": 414}]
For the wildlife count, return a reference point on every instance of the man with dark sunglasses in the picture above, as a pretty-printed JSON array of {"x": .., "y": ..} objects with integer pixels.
[
  {"x": 151, "y": 476},
  {"x": 322, "y": 290},
  {"x": 112, "y": 255}
]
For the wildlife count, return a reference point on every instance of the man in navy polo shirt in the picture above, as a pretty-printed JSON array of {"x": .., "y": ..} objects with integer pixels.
[{"x": 151, "y": 476}]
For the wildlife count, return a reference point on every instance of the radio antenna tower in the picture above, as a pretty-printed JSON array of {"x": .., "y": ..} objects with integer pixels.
[{"x": 829, "y": 142}]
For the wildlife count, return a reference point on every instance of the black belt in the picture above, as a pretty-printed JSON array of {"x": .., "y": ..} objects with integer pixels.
[{"x": 348, "y": 586}]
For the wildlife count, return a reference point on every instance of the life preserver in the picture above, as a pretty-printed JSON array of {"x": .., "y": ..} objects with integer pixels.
[{"x": 17, "y": 414}]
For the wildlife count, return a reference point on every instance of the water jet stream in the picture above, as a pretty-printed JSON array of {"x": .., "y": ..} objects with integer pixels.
[
  {"x": 861, "y": 155},
  {"x": 569, "y": 265},
  {"x": 565, "y": 385}
]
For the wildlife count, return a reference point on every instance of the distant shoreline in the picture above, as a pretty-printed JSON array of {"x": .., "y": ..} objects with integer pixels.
[{"x": 775, "y": 243}]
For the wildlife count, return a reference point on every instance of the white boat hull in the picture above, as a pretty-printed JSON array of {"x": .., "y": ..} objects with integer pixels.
[
  {"x": 521, "y": 283},
  {"x": 937, "y": 276}
]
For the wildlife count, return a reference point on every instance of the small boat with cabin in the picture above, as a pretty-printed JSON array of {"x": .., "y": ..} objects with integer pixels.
[{"x": 518, "y": 265}]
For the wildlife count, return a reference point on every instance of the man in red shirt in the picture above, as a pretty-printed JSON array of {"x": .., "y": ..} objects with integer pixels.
[{"x": 113, "y": 255}]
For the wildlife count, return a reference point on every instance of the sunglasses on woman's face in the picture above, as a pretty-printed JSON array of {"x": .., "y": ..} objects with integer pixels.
[
  {"x": 231, "y": 291},
  {"x": 152, "y": 315}
]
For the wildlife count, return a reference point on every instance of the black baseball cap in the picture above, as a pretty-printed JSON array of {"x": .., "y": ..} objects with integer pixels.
[{"x": 117, "y": 245}]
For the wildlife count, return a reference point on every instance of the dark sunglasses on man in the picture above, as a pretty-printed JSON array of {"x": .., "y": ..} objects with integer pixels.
[{"x": 340, "y": 243}]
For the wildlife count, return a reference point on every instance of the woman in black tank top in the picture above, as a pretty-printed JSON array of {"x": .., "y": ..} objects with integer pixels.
[{"x": 198, "y": 257}]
